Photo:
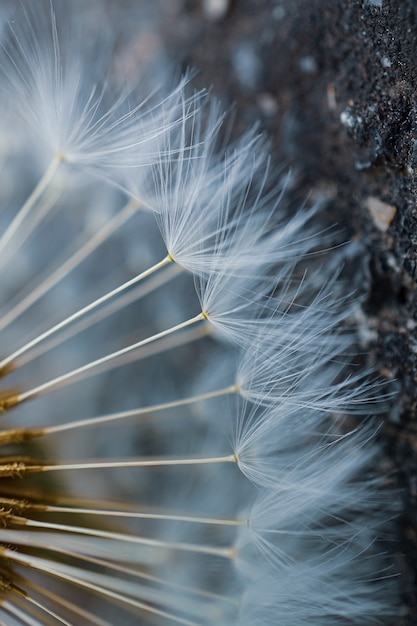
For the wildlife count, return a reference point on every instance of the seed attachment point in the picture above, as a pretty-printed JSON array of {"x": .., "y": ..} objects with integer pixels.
[
  {"x": 7, "y": 369},
  {"x": 18, "y": 435},
  {"x": 9, "y": 398}
]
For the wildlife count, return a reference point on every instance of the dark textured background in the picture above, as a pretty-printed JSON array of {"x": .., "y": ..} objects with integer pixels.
[{"x": 333, "y": 82}]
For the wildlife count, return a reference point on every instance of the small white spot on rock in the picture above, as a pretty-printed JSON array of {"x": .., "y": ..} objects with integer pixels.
[
  {"x": 267, "y": 103},
  {"x": 247, "y": 65},
  {"x": 331, "y": 97},
  {"x": 381, "y": 212},
  {"x": 215, "y": 9},
  {"x": 411, "y": 324},
  {"x": 308, "y": 64},
  {"x": 278, "y": 13},
  {"x": 349, "y": 120}
]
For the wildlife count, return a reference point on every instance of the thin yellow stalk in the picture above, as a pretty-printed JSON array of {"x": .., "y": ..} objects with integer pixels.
[
  {"x": 69, "y": 376},
  {"x": 114, "y": 417},
  {"x": 69, "y": 265},
  {"x": 30, "y": 202},
  {"x": 149, "y": 462},
  {"x": 225, "y": 553},
  {"x": 111, "y": 307},
  {"x": 150, "y": 516},
  {"x": 39, "y": 565}
]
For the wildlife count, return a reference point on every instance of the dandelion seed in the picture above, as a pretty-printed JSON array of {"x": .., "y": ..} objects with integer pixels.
[{"x": 126, "y": 496}]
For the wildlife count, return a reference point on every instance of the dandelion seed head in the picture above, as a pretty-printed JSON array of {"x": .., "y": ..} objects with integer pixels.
[{"x": 177, "y": 444}]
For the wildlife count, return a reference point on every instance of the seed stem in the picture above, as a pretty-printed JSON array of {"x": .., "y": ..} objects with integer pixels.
[
  {"x": 109, "y": 309},
  {"x": 225, "y": 553},
  {"x": 69, "y": 376},
  {"x": 113, "y": 417},
  {"x": 149, "y": 462},
  {"x": 67, "y": 604},
  {"x": 30, "y": 202},
  {"x": 47, "y": 203},
  {"x": 84, "y": 311},
  {"x": 40, "y": 565},
  {"x": 68, "y": 266},
  {"x": 150, "y": 516}
]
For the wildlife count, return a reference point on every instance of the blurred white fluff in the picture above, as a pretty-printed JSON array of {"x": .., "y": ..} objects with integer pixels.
[{"x": 140, "y": 500}]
